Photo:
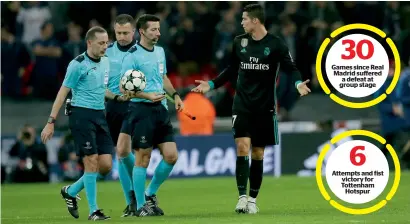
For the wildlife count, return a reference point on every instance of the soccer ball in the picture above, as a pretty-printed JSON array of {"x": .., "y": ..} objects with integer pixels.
[{"x": 133, "y": 80}]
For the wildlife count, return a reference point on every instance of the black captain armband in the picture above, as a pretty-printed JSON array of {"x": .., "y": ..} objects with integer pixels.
[{"x": 116, "y": 97}]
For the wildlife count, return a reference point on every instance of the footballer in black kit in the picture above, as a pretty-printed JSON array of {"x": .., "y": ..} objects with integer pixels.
[
  {"x": 257, "y": 63},
  {"x": 257, "y": 56}
]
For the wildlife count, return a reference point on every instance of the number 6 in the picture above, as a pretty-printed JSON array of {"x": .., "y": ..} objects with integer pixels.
[{"x": 354, "y": 154}]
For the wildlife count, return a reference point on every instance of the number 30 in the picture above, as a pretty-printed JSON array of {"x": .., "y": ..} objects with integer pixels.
[{"x": 359, "y": 49}]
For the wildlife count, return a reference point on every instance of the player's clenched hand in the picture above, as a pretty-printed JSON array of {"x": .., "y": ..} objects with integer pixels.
[
  {"x": 47, "y": 133},
  {"x": 303, "y": 89},
  {"x": 203, "y": 87},
  {"x": 179, "y": 105}
]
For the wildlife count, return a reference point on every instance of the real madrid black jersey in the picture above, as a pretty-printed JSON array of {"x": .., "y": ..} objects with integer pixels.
[{"x": 256, "y": 65}]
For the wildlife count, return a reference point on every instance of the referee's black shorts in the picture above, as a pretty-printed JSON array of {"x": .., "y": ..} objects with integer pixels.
[
  {"x": 90, "y": 131},
  {"x": 262, "y": 128},
  {"x": 149, "y": 124},
  {"x": 116, "y": 113}
]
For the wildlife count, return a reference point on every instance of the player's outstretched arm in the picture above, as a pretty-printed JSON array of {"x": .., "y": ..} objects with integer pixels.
[
  {"x": 289, "y": 67},
  {"x": 223, "y": 77}
]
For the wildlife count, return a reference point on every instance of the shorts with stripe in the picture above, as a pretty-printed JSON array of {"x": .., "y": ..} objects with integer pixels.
[{"x": 262, "y": 129}]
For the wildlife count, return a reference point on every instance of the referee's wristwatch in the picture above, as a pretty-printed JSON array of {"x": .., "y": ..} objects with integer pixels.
[
  {"x": 175, "y": 94},
  {"x": 51, "y": 120}
]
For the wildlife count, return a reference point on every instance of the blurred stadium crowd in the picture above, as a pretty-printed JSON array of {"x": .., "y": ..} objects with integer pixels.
[{"x": 38, "y": 40}]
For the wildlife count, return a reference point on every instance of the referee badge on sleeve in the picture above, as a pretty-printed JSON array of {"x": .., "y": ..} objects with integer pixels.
[
  {"x": 161, "y": 68},
  {"x": 106, "y": 77}
]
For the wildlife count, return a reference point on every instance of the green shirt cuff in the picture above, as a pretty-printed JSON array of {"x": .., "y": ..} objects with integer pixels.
[
  {"x": 211, "y": 84},
  {"x": 297, "y": 83}
]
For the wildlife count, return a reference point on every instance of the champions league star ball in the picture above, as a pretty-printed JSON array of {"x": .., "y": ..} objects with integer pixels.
[{"x": 133, "y": 80}]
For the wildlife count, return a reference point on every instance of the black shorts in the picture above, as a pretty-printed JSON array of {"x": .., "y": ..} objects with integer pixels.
[
  {"x": 90, "y": 131},
  {"x": 262, "y": 129},
  {"x": 116, "y": 115},
  {"x": 150, "y": 125}
]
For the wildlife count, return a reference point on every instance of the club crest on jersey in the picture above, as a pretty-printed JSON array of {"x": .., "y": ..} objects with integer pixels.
[
  {"x": 244, "y": 42},
  {"x": 266, "y": 51}
]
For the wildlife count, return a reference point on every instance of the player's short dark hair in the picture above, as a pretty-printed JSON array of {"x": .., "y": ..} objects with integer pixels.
[
  {"x": 90, "y": 35},
  {"x": 255, "y": 11},
  {"x": 124, "y": 19},
  {"x": 142, "y": 21}
]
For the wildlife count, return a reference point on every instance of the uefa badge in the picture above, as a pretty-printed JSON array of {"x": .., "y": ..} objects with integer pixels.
[
  {"x": 161, "y": 68},
  {"x": 106, "y": 77}
]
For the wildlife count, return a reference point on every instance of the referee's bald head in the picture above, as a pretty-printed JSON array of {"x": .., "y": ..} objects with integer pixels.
[{"x": 93, "y": 31}]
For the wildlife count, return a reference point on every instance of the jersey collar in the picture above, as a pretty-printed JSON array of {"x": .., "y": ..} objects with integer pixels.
[
  {"x": 146, "y": 48},
  {"x": 92, "y": 59},
  {"x": 127, "y": 47}
]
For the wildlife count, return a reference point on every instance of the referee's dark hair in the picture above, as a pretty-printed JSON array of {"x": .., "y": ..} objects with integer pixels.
[
  {"x": 142, "y": 21},
  {"x": 90, "y": 35},
  {"x": 255, "y": 11},
  {"x": 124, "y": 19}
]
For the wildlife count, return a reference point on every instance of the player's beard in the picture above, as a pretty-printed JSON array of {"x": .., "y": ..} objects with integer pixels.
[{"x": 124, "y": 42}]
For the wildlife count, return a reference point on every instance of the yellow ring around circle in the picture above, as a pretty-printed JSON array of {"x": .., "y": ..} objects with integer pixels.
[
  {"x": 319, "y": 180},
  {"x": 356, "y": 26},
  {"x": 357, "y": 105},
  {"x": 361, "y": 211},
  {"x": 322, "y": 50},
  {"x": 319, "y": 66},
  {"x": 397, "y": 171},
  {"x": 397, "y": 66},
  {"x": 345, "y": 209}
]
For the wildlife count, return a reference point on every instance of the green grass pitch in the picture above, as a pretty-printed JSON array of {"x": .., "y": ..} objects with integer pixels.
[{"x": 285, "y": 200}]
